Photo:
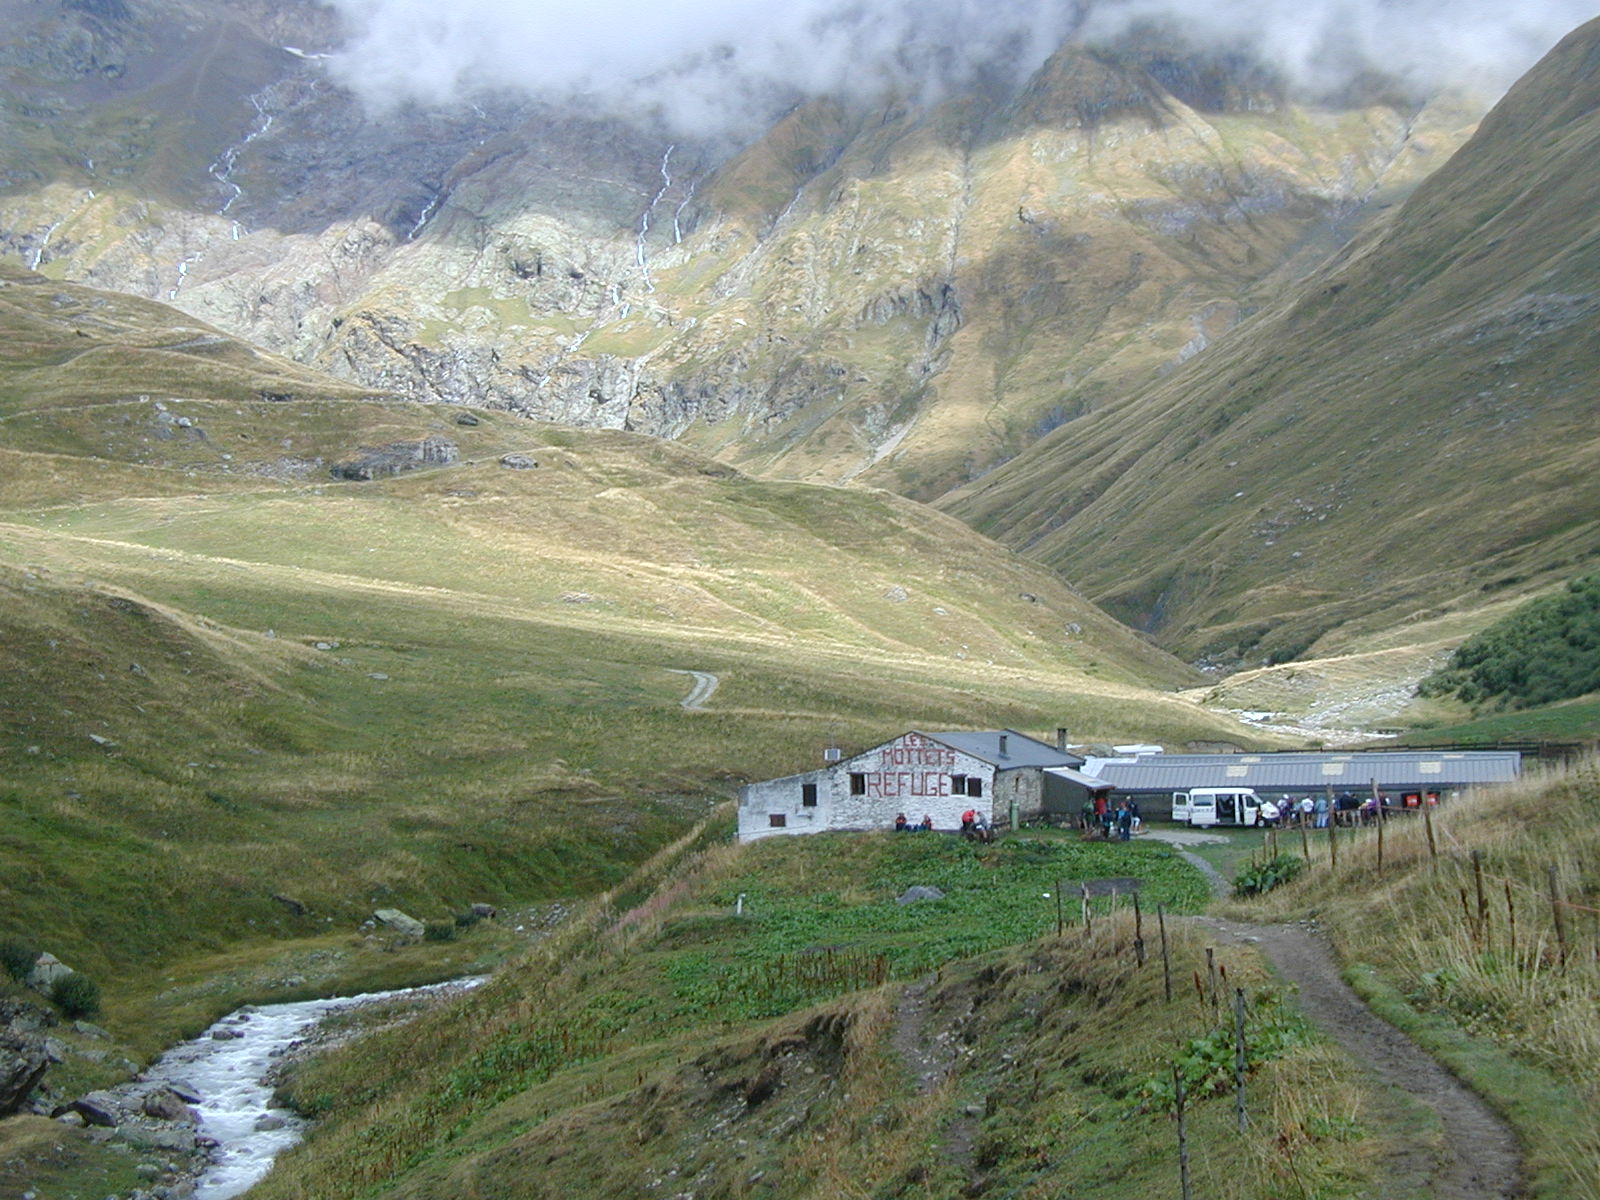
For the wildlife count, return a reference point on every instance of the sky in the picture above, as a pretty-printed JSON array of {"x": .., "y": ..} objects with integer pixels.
[{"x": 710, "y": 66}]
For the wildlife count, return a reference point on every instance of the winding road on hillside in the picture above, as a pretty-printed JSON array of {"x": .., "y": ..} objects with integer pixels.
[{"x": 704, "y": 684}]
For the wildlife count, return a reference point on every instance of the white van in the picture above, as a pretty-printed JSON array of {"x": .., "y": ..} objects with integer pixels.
[{"x": 1216, "y": 806}]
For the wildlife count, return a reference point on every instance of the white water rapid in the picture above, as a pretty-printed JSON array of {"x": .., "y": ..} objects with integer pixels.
[{"x": 227, "y": 1067}]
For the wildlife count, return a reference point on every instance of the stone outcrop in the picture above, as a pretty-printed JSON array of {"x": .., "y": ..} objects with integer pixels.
[
  {"x": 48, "y": 969},
  {"x": 393, "y": 918},
  {"x": 22, "y": 1066},
  {"x": 397, "y": 458}
]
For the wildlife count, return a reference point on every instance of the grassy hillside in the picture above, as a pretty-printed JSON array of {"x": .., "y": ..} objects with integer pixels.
[
  {"x": 1506, "y": 1000},
  {"x": 1410, "y": 433},
  {"x": 663, "y": 1043},
  {"x": 229, "y": 678}
]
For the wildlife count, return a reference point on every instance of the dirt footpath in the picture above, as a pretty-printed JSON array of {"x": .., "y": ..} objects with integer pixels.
[{"x": 1482, "y": 1159}]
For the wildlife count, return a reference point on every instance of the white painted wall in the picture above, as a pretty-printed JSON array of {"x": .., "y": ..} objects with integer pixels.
[{"x": 913, "y": 774}]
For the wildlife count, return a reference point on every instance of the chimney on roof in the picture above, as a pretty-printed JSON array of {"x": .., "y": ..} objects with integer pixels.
[
  {"x": 1002, "y": 745},
  {"x": 1061, "y": 738}
]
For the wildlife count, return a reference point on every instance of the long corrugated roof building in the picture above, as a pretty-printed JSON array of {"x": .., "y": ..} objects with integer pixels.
[{"x": 1395, "y": 773}]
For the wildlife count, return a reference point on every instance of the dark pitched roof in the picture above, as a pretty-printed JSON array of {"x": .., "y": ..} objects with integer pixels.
[{"x": 1020, "y": 749}]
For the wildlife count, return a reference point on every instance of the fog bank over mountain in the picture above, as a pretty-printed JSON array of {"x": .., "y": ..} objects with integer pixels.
[{"x": 712, "y": 66}]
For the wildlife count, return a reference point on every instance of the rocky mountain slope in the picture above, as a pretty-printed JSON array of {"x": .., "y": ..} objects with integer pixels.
[
  {"x": 1409, "y": 432},
  {"x": 881, "y": 292}
]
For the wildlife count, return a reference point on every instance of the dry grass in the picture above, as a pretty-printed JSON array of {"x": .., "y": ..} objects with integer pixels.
[{"x": 1491, "y": 985}]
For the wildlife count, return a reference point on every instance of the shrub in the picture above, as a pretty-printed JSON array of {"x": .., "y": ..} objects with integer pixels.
[
  {"x": 439, "y": 931},
  {"x": 17, "y": 957},
  {"x": 1262, "y": 878},
  {"x": 76, "y": 995},
  {"x": 1547, "y": 650}
]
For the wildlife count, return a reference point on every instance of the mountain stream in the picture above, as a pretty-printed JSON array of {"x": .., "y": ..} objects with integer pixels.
[{"x": 228, "y": 1068}]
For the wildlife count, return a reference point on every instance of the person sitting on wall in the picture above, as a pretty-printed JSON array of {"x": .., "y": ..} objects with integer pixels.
[
  {"x": 901, "y": 825},
  {"x": 927, "y": 823},
  {"x": 968, "y": 820}
]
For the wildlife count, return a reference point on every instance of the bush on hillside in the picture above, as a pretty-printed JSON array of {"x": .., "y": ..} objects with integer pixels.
[
  {"x": 17, "y": 957},
  {"x": 76, "y": 995},
  {"x": 439, "y": 931},
  {"x": 1547, "y": 650}
]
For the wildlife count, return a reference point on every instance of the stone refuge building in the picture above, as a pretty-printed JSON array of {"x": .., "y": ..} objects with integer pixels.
[{"x": 1008, "y": 777}]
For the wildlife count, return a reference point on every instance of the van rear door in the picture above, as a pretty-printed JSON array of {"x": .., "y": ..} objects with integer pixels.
[
  {"x": 1202, "y": 809},
  {"x": 1180, "y": 806}
]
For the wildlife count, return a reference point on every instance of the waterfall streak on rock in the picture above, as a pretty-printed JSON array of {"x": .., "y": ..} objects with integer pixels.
[
  {"x": 427, "y": 213},
  {"x": 222, "y": 169},
  {"x": 50, "y": 230},
  {"x": 677, "y": 213},
  {"x": 642, "y": 254},
  {"x": 184, "y": 264}
]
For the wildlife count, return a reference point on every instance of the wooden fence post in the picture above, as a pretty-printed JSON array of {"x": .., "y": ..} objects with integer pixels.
[
  {"x": 1211, "y": 974},
  {"x": 1560, "y": 917},
  {"x": 1238, "y": 1058},
  {"x": 1483, "y": 901},
  {"x": 1138, "y": 931},
  {"x": 1088, "y": 923},
  {"x": 1333, "y": 832},
  {"x": 1183, "y": 1141},
  {"x": 1166, "y": 958},
  {"x": 1058, "y": 908},
  {"x": 1427, "y": 819},
  {"x": 1511, "y": 920}
]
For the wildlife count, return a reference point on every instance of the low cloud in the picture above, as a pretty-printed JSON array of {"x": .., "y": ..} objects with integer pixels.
[{"x": 711, "y": 66}]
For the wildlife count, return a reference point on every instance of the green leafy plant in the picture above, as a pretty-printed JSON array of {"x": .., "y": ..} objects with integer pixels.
[
  {"x": 1207, "y": 1063},
  {"x": 76, "y": 995},
  {"x": 1263, "y": 877},
  {"x": 439, "y": 931}
]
